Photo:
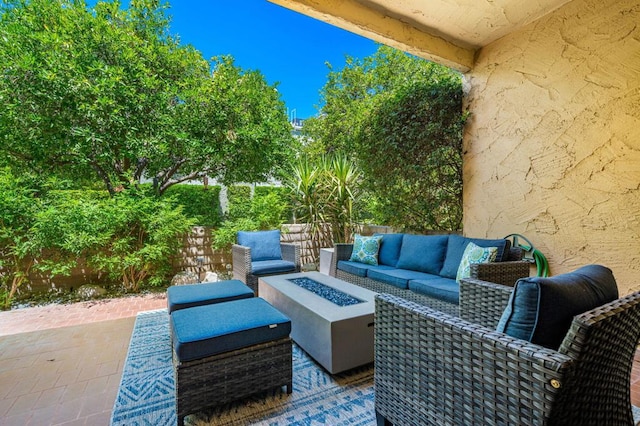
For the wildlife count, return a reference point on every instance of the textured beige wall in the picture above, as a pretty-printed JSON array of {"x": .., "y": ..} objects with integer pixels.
[{"x": 553, "y": 142}]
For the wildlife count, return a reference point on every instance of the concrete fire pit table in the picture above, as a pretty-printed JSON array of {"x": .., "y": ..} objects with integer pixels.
[{"x": 337, "y": 337}]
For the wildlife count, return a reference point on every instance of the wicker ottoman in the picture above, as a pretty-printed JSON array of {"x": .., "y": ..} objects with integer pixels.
[
  {"x": 191, "y": 295},
  {"x": 228, "y": 351}
]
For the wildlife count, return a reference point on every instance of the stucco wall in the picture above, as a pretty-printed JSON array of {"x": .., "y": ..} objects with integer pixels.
[{"x": 552, "y": 147}]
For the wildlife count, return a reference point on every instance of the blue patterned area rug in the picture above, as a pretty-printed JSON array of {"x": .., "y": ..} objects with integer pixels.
[{"x": 147, "y": 390}]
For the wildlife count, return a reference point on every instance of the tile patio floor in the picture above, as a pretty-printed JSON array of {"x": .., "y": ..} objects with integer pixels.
[{"x": 61, "y": 364}]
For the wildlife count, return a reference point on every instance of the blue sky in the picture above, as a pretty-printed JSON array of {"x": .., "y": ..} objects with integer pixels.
[{"x": 287, "y": 47}]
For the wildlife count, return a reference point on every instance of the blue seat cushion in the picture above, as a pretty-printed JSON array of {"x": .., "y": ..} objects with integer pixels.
[
  {"x": 188, "y": 296},
  {"x": 389, "y": 249},
  {"x": 208, "y": 330},
  {"x": 444, "y": 289},
  {"x": 264, "y": 267},
  {"x": 264, "y": 245},
  {"x": 456, "y": 246},
  {"x": 424, "y": 253},
  {"x": 398, "y": 277},
  {"x": 357, "y": 268},
  {"x": 540, "y": 310}
]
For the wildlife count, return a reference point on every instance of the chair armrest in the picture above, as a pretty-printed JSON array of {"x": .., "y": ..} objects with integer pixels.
[
  {"x": 291, "y": 253},
  {"x": 445, "y": 370},
  {"x": 506, "y": 273},
  {"x": 241, "y": 261},
  {"x": 483, "y": 302},
  {"x": 341, "y": 251}
]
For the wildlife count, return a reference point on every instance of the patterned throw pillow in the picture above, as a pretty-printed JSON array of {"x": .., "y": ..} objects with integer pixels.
[
  {"x": 365, "y": 249},
  {"x": 475, "y": 254}
]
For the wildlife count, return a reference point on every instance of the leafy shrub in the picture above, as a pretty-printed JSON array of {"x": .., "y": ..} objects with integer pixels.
[
  {"x": 267, "y": 209},
  {"x": 199, "y": 203},
  {"x": 131, "y": 236},
  {"x": 18, "y": 248}
]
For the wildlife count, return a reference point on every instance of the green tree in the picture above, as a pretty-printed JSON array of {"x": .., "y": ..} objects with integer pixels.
[
  {"x": 108, "y": 93},
  {"x": 414, "y": 156},
  {"x": 401, "y": 119}
]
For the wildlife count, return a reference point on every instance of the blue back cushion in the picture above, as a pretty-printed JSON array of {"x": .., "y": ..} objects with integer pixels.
[
  {"x": 264, "y": 245},
  {"x": 389, "y": 249},
  {"x": 540, "y": 310},
  {"x": 456, "y": 246},
  {"x": 424, "y": 253}
]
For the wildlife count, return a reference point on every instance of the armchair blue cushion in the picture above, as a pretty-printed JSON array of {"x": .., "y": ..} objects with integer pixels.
[
  {"x": 540, "y": 310},
  {"x": 268, "y": 267},
  {"x": 264, "y": 245}
]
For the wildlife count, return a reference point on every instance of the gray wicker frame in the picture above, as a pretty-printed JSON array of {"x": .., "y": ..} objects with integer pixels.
[
  {"x": 215, "y": 380},
  {"x": 506, "y": 273},
  {"x": 437, "y": 369},
  {"x": 241, "y": 261}
]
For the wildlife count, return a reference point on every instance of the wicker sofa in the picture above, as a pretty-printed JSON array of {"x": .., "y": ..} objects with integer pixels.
[
  {"x": 433, "y": 368},
  {"x": 440, "y": 254}
]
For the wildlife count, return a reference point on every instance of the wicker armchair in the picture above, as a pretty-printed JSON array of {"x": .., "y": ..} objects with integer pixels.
[
  {"x": 241, "y": 260},
  {"x": 436, "y": 369}
]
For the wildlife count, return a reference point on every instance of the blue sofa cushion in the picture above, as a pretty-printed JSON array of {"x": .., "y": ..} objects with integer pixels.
[
  {"x": 207, "y": 330},
  {"x": 424, "y": 253},
  {"x": 264, "y": 245},
  {"x": 357, "y": 268},
  {"x": 540, "y": 310},
  {"x": 264, "y": 267},
  {"x": 390, "y": 249},
  {"x": 188, "y": 296},
  {"x": 439, "y": 288},
  {"x": 398, "y": 277},
  {"x": 456, "y": 246},
  {"x": 365, "y": 249}
]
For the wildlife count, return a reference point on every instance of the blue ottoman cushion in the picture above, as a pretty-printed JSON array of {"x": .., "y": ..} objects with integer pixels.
[
  {"x": 188, "y": 296},
  {"x": 208, "y": 330}
]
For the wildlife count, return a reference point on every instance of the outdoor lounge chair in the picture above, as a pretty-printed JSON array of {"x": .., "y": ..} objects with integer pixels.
[
  {"x": 436, "y": 369},
  {"x": 261, "y": 253}
]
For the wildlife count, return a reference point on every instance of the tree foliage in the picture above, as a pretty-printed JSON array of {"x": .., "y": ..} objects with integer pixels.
[
  {"x": 401, "y": 119},
  {"x": 108, "y": 93}
]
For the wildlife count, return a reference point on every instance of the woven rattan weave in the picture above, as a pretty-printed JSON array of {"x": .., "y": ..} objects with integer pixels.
[
  {"x": 218, "y": 379},
  {"x": 437, "y": 369}
]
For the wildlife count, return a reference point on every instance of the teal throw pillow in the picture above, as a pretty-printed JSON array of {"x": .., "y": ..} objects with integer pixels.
[
  {"x": 475, "y": 254},
  {"x": 365, "y": 249}
]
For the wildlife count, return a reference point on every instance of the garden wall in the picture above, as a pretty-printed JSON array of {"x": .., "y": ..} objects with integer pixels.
[{"x": 195, "y": 246}]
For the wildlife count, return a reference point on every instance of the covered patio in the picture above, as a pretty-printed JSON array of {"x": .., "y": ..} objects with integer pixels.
[
  {"x": 551, "y": 151},
  {"x": 552, "y": 145}
]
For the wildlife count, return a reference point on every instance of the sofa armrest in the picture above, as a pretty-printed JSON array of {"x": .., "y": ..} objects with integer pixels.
[
  {"x": 506, "y": 273},
  {"x": 291, "y": 253},
  {"x": 426, "y": 360},
  {"x": 483, "y": 302},
  {"x": 241, "y": 261},
  {"x": 341, "y": 251}
]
